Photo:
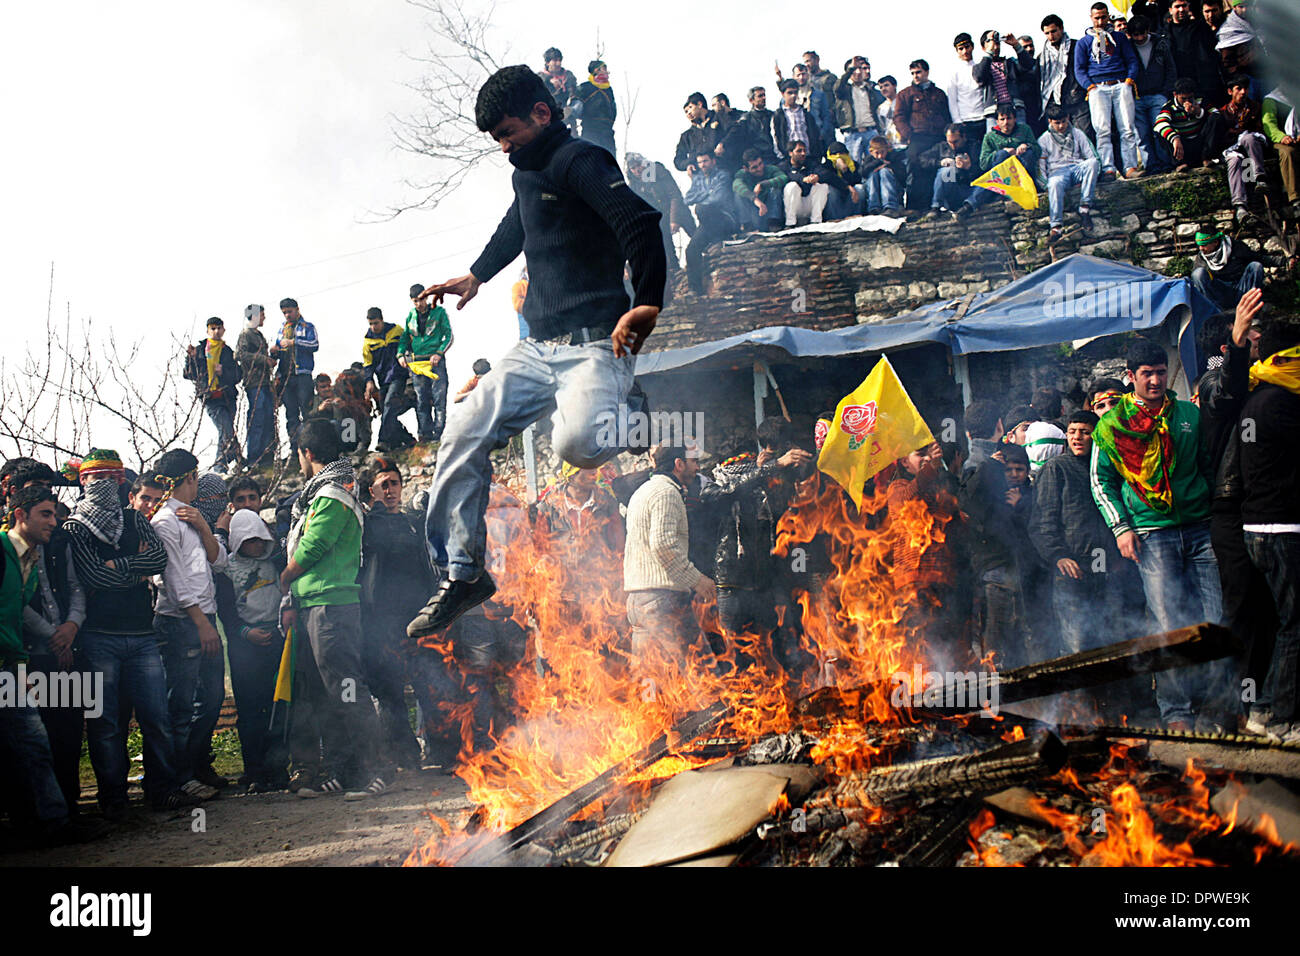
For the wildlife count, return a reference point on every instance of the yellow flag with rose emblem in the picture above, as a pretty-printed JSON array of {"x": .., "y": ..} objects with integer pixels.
[
  {"x": 1009, "y": 178},
  {"x": 874, "y": 425}
]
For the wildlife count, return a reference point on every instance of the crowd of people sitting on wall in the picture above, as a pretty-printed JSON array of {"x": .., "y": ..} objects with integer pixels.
[{"x": 1176, "y": 84}]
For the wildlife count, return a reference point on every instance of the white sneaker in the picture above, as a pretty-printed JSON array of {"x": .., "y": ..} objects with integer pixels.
[{"x": 374, "y": 788}]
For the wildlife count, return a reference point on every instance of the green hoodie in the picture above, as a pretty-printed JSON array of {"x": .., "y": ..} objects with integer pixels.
[
  {"x": 1120, "y": 504},
  {"x": 994, "y": 141},
  {"x": 14, "y": 596},
  {"x": 329, "y": 551},
  {"x": 436, "y": 337}
]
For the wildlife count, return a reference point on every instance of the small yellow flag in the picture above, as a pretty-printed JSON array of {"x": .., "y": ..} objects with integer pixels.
[
  {"x": 874, "y": 425},
  {"x": 284, "y": 679},
  {"x": 1009, "y": 178},
  {"x": 1123, "y": 6}
]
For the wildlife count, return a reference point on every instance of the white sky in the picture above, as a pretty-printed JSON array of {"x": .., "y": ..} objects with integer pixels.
[{"x": 175, "y": 164}]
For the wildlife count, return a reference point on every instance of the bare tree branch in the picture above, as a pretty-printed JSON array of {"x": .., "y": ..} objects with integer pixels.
[{"x": 461, "y": 54}]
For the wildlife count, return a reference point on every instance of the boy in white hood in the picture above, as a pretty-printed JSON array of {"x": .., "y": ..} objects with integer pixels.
[{"x": 256, "y": 649}]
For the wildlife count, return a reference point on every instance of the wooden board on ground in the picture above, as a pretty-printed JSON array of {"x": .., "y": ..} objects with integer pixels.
[{"x": 701, "y": 811}]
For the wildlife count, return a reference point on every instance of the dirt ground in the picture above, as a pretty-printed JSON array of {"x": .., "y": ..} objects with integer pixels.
[{"x": 277, "y": 829}]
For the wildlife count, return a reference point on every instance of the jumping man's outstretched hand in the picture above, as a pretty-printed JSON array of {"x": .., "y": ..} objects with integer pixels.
[
  {"x": 465, "y": 288},
  {"x": 633, "y": 328}
]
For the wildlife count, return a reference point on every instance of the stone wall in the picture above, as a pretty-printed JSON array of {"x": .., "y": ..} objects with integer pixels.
[{"x": 826, "y": 281}]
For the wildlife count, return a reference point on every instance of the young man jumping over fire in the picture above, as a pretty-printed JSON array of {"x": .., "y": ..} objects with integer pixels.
[{"x": 577, "y": 222}]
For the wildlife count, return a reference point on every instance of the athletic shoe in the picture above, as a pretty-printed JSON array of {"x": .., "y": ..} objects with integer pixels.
[
  {"x": 450, "y": 601},
  {"x": 199, "y": 790},
  {"x": 78, "y": 831},
  {"x": 373, "y": 789},
  {"x": 176, "y": 800},
  {"x": 328, "y": 786},
  {"x": 1258, "y": 721},
  {"x": 1085, "y": 220}
]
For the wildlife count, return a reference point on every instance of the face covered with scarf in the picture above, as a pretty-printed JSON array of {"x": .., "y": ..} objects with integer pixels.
[
  {"x": 100, "y": 509},
  {"x": 1215, "y": 248}
]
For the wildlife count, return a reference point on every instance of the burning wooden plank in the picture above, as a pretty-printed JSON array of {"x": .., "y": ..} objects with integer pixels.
[
  {"x": 495, "y": 851},
  {"x": 962, "y": 775}
]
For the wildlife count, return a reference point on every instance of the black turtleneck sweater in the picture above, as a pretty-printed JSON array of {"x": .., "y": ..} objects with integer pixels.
[{"x": 577, "y": 221}]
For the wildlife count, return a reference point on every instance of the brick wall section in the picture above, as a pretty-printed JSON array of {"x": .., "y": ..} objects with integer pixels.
[{"x": 862, "y": 277}]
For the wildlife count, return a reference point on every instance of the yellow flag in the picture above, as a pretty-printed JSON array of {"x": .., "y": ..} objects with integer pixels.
[
  {"x": 1009, "y": 178},
  {"x": 874, "y": 425},
  {"x": 1123, "y": 6},
  {"x": 284, "y": 680}
]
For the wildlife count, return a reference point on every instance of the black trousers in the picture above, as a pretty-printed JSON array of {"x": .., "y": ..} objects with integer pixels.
[
  {"x": 1248, "y": 608},
  {"x": 715, "y": 225}
]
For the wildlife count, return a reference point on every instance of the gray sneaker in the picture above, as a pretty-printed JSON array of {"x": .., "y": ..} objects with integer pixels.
[{"x": 1258, "y": 721}]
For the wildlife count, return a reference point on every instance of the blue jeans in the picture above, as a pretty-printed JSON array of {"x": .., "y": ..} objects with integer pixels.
[
  {"x": 1082, "y": 174},
  {"x": 1226, "y": 294},
  {"x": 1087, "y": 610},
  {"x": 856, "y": 143},
  {"x": 882, "y": 190},
  {"x": 222, "y": 415},
  {"x": 132, "y": 669},
  {"x": 947, "y": 191},
  {"x": 182, "y": 657},
  {"x": 585, "y": 385},
  {"x": 209, "y": 695},
  {"x": 1147, "y": 108},
  {"x": 1181, "y": 581},
  {"x": 1278, "y": 558},
  {"x": 261, "y": 421},
  {"x": 748, "y": 215},
  {"x": 22, "y": 733},
  {"x": 431, "y": 403},
  {"x": 1117, "y": 100}
]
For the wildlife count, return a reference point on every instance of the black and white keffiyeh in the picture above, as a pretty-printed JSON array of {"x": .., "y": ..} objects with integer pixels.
[{"x": 100, "y": 510}]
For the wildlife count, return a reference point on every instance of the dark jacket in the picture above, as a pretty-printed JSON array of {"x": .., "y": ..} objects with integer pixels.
[
  {"x": 1158, "y": 75},
  {"x": 921, "y": 112},
  {"x": 196, "y": 370},
  {"x": 577, "y": 222},
  {"x": 1270, "y": 464},
  {"x": 694, "y": 141},
  {"x": 118, "y": 599},
  {"x": 1238, "y": 259},
  {"x": 935, "y": 156},
  {"x": 781, "y": 133},
  {"x": 845, "y": 118},
  {"x": 566, "y": 92},
  {"x": 982, "y": 71},
  {"x": 983, "y": 498},
  {"x": 379, "y": 354},
  {"x": 657, "y": 187},
  {"x": 254, "y": 359},
  {"x": 1192, "y": 46},
  {"x": 757, "y": 126},
  {"x": 748, "y": 502},
  {"x": 396, "y": 577},
  {"x": 810, "y": 166},
  {"x": 1222, "y": 391},
  {"x": 1065, "y": 522},
  {"x": 1072, "y": 94}
]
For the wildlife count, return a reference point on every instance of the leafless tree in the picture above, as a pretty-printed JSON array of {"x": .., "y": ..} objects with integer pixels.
[
  {"x": 460, "y": 55},
  {"x": 78, "y": 388}
]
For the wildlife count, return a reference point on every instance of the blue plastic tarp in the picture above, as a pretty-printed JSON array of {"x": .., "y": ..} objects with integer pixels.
[{"x": 1079, "y": 297}]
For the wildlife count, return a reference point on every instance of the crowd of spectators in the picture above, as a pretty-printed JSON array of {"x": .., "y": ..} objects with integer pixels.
[{"x": 1173, "y": 85}]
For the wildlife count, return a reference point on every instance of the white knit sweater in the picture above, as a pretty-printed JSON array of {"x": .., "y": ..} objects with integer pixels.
[{"x": 655, "y": 555}]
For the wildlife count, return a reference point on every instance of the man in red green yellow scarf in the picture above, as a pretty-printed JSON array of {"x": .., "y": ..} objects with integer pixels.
[{"x": 1148, "y": 481}]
